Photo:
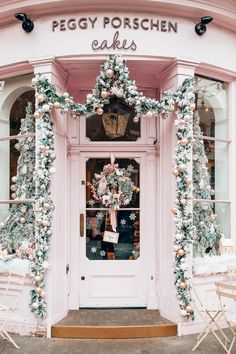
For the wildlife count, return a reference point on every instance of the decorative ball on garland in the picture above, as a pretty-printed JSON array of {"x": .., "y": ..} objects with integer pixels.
[{"x": 109, "y": 73}]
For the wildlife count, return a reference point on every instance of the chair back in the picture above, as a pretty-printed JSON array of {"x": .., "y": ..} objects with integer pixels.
[
  {"x": 11, "y": 287},
  {"x": 226, "y": 290}
]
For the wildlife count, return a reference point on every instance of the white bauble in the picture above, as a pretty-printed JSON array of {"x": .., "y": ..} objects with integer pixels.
[
  {"x": 22, "y": 220},
  {"x": 66, "y": 95},
  {"x": 119, "y": 93},
  {"x": 49, "y": 232},
  {"x": 23, "y": 169},
  {"x": 14, "y": 179},
  {"x": 41, "y": 98},
  {"x": 2, "y": 225},
  {"x": 13, "y": 187},
  {"x": 136, "y": 119},
  {"x": 178, "y": 236},
  {"x": 45, "y": 108},
  {"x": 52, "y": 170},
  {"x": 192, "y": 106},
  {"x": 45, "y": 223},
  {"x": 34, "y": 81},
  {"x": 13, "y": 195},
  {"x": 182, "y": 167},
  {"x": 89, "y": 96},
  {"x": 23, "y": 209},
  {"x": 34, "y": 306},
  {"x": 170, "y": 108},
  {"x": 17, "y": 146},
  {"x": 149, "y": 114},
  {"x": 52, "y": 157},
  {"x": 183, "y": 312},
  {"x": 109, "y": 73},
  {"x": 104, "y": 94}
]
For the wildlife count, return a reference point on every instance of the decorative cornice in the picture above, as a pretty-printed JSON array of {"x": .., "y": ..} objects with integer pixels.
[{"x": 16, "y": 69}]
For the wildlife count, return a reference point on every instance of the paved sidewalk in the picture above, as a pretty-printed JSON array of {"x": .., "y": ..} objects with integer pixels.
[{"x": 167, "y": 345}]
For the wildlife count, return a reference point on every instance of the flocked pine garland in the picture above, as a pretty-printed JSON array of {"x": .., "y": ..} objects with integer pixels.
[
  {"x": 43, "y": 210},
  {"x": 114, "y": 81},
  {"x": 182, "y": 210}
]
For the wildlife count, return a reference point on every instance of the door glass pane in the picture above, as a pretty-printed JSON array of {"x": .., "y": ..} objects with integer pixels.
[
  {"x": 128, "y": 228},
  {"x": 95, "y": 166}
]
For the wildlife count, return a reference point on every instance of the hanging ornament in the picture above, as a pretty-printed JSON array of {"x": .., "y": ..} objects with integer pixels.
[
  {"x": 37, "y": 279},
  {"x": 34, "y": 81},
  {"x": 41, "y": 98},
  {"x": 182, "y": 285},
  {"x": 56, "y": 105},
  {"x": 189, "y": 308},
  {"x": 182, "y": 167},
  {"x": 17, "y": 146},
  {"x": 2, "y": 225},
  {"x": 14, "y": 179},
  {"x": 104, "y": 94},
  {"x": 109, "y": 73},
  {"x": 99, "y": 111},
  {"x": 66, "y": 95},
  {"x": 183, "y": 313},
  {"x": 37, "y": 114},
  {"x": 46, "y": 108},
  {"x": 22, "y": 220},
  {"x": 136, "y": 119},
  {"x": 34, "y": 306},
  {"x": 149, "y": 114}
]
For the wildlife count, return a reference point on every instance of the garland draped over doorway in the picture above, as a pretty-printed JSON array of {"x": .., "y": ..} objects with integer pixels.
[{"x": 113, "y": 81}]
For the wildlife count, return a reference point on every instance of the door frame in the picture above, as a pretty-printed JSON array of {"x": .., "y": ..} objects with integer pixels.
[{"x": 149, "y": 155}]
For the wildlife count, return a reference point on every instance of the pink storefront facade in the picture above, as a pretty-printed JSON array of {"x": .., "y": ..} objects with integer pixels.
[{"x": 69, "y": 42}]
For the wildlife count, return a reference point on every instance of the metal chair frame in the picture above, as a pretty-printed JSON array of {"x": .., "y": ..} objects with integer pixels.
[
  {"x": 227, "y": 291},
  {"x": 11, "y": 288},
  {"x": 210, "y": 316}
]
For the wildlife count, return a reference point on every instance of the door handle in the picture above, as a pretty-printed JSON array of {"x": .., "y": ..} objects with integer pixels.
[{"x": 81, "y": 223}]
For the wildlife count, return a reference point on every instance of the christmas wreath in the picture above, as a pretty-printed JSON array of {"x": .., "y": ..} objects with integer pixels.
[{"x": 113, "y": 187}]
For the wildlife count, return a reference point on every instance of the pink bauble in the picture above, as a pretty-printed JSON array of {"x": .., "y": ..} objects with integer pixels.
[
  {"x": 181, "y": 252},
  {"x": 182, "y": 285},
  {"x": 189, "y": 308},
  {"x": 56, "y": 105},
  {"x": 175, "y": 172}
]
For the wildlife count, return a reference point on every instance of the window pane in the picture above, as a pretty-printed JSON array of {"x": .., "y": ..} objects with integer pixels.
[
  {"x": 211, "y": 222},
  {"x": 212, "y": 104},
  {"x": 127, "y": 247},
  {"x": 214, "y": 156},
  {"x": 95, "y": 166},
  {"x": 115, "y": 124}
]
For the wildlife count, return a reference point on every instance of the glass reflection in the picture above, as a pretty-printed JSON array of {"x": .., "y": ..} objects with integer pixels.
[{"x": 128, "y": 245}]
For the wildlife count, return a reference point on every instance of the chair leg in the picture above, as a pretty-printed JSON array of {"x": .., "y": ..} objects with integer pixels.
[
  {"x": 9, "y": 338},
  {"x": 231, "y": 345}
]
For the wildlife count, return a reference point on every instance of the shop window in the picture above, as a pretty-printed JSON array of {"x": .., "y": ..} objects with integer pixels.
[
  {"x": 117, "y": 123},
  {"x": 211, "y": 160},
  {"x": 9, "y": 129},
  {"x": 16, "y": 114}
]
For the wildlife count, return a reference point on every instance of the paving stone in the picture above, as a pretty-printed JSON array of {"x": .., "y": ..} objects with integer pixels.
[{"x": 167, "y": 345}]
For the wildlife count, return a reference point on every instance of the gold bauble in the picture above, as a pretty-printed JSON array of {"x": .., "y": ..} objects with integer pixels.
[
  {"x": 182, "y": 285},
  {"x": 56, "y": 105},
  {"x": 180, "y": 252}
]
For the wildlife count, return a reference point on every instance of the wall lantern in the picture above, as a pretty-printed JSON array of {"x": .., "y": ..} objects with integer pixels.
[
  {"x": 115, "y": 118},
  {"x": 200, "y": 27},
  {"x": 27, "y": 24}
]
